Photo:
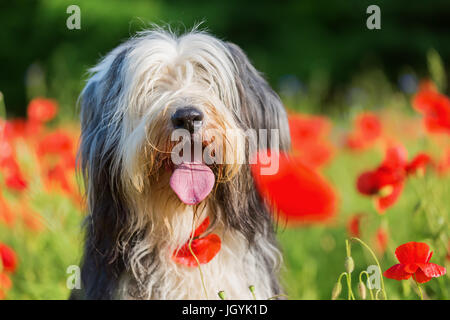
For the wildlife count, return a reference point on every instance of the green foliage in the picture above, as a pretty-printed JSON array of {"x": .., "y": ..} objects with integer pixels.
[{"x": 322, "y": 43}]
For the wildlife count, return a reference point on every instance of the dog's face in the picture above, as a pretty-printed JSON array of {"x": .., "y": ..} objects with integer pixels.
[
  {"x": 159, "y": 103},
  {"x": 177, "y": 94}
]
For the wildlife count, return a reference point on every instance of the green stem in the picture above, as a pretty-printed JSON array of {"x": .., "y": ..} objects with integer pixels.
[
  {"x": 350, "y": 293},
  {"x": 252, "y": 290},
  {"x": 418, "y": 287},
  {"x": 348, "y": 250},
  {"x": 196, "y": 260},
  {"x": 376, "y": 260},
  {"x": 420, "y": 290}
]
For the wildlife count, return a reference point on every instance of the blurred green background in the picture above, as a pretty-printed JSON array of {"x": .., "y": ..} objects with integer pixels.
[
  {"x": 309, "y": 46},
  {"x": 317, "y": 54}
]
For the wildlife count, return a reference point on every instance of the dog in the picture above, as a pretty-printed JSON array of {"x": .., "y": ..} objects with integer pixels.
[{"x": 139, "y": 215}]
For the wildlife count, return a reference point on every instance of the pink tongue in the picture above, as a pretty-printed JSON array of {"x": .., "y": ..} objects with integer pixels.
[{"x": 192, "y": 182}]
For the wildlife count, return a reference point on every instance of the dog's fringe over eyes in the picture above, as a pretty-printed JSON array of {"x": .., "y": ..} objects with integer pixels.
[{"x": 135, "y": 220}]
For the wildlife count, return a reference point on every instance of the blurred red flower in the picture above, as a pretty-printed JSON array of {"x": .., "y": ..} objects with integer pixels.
[
  {"x": 8, "y": 258},
  {"x": 21, "y": 128},
  {"x": 5, "y": 285},
  {"x": 387, "y": 180},
  {"x": 58, "y": 142},
  {"x": 367, "y": 129},
  {"x": 204, "y": 248},
  {"x": 434, "y": 106},
  {"x": 6, "y": 214},
  {"x": 296, "y": 191},
  {"x": 57, "y": 177},
  {"x": 307, "y": 128},
  {"x": 42, "y": 109},
  {"x": 15, "y": 181},
  {"x": 381, "y": 240},
  {"x": 354, "y": 224},
  {"x": 418, "y": 164},
  {"x": 414, "y": 258},
  {"x": 308, "y": 137}
]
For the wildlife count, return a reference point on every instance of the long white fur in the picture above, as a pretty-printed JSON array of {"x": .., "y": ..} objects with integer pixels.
[{"x": 162, "y": 72}]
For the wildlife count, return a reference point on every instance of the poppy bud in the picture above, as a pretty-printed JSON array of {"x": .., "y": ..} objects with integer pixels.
[
  {"x": 222, "y": 295},
  {"x": 349, "y": 264},
  {"x": 336, "y": 291},
  {"x": 362, "y": 290}
]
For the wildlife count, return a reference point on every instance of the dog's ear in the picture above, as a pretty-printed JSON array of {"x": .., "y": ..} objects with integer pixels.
[
  {"x": 261, "y": 107},
  {"x": 107, "y": 216}
]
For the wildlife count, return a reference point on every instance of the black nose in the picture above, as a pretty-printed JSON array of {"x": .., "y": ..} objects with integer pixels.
[{"x": 188, "y": 118}]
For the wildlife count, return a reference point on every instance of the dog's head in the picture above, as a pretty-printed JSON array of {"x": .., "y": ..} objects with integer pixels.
[{"x": 177, "y": 117}]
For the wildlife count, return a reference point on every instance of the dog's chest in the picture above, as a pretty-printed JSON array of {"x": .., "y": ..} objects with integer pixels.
[{"x": 233, "y": 270}]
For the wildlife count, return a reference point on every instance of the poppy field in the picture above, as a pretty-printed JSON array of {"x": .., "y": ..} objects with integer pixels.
[{"x": 363, "y": 192}]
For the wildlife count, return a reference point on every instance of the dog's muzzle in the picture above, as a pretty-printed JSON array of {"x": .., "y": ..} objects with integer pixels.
[{"x": 192, "y": 181}]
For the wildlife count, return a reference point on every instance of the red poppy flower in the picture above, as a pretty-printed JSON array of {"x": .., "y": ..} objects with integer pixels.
[
  {"x": 381, "y": 240},
  {"x": 354, "y": 224},
  {"x": 204, "y": 248},
  {"x": 306, "y": 128},
  {"x": 296, "y": 191},
  {"x": 434, "y": 106},
  {"x": 367, "y": 130},
  {"x": 419, "y": 163},
  {"x": 55, "y": 143},
  {"x": 368, "y": 125},
  {"x": 8, "y": 258},
  {"x": 15, "y": 181},
  {"x": 386, "y": 182},
  {"x": 42, "y": 110},
  {"x": 315, "y": 154},
  {"x": 57, "y": 177},
  {"x": 15, "y": 128},
  {"x": 5, "y": 285},
  {"x": 414, "y": 258},
  {"x": 308, "y": 137}
]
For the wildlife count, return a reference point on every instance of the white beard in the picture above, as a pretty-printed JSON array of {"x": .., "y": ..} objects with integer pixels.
[{"x": 236, "y": 267}]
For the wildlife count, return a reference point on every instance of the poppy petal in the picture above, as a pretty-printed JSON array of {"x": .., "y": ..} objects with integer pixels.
[
  {"x": 42, "y": 110},
  {"x": 432, "y": 270},
  {"x": 411, "y": 267},
  {"x": 396, "y": 157},
  {"x": 296, "y": 191},
  {"x": 384, "y": 203},
  {"x": 8, "y": 258},
  {"x": 204, "y": 249},
  {"x": 202, "y": 227},
  {"x": 397, "y": 272},
  {"x": 420, "y": 161},
  {"x": 367, "y": 183},
  {"x": 413, "y": 252},
  {"x": 421, "y": 277}
]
